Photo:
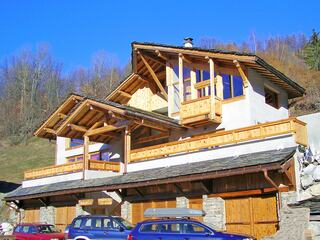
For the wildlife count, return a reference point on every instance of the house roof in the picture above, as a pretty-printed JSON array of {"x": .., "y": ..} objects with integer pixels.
[
  {"x": 237, "y": 165},
  {"x": 77, "y": 106},
  {"x": 248, "y": 59}
]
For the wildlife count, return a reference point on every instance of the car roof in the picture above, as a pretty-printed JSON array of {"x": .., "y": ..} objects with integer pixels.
[
  {"x": 86, "y": 216},
  {"x": 170, "y": 220},
  {"x": 34, "y": 224}
]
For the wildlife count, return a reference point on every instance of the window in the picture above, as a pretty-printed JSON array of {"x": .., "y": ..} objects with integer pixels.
[
  {"x": 88, "y": 223},
  {"x": 77, "y": 223},
  {"x": 271, "y": 97},
  {"x": 25, "y": 229},
  {"x": 232, "y": 86},
  {"x": 149, "y": 228},
  {"x": 98, "y": 223},
  {"x": 75, "y": 142},
  {"x": 75, "y": 158},
  {"x": 170, "y": 228},
  {"x": 194, "y": 228},
  {"x": 203, "y": 75},
  {"x": 107, "y": 223}
]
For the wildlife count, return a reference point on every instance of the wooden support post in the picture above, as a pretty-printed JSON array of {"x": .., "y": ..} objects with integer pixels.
[
  {"x": 219, "y": 87},
  {"x": 169, "y": 79},
  {"x": 127, "y": 148},
  {"x": 212, "y": 94},
  {"x": 85, "y": 154},
  {"x": 242, "y": 74},
  {"x": 181, "y": 87},
  {"x": 193, "y": 77}
]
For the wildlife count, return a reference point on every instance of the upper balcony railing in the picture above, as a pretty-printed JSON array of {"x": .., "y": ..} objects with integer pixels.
[
  {"x": 71, "y": 168},
  {"x": 200, "y": 110},
  {"x": 291, "y": 126}
]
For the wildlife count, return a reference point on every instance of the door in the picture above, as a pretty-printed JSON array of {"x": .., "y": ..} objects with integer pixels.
[
  {"x": 139, "y": 208},
  {"x": 64, "y": 216},
  {"x": 196, "y": 203},
  {"x": 256, "y": 216},
  {"x": 31, "y": 216}
]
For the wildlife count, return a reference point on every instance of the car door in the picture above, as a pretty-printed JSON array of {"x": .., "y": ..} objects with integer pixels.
[
  {"x": 149, "y": 231},
  {"x": 170, "y": 231},
  {"x": 195, "y": 231}
]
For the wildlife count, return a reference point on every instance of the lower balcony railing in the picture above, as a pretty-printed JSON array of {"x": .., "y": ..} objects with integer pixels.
[
  {"x": 291, "y": 126},
  {"x": 70, "y": 168}
]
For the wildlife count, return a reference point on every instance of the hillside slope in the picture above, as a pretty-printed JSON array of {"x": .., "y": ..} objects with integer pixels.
[{"x": 14, "y": 160}]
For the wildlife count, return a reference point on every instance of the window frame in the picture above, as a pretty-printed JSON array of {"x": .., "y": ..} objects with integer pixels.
[{"x": 275, "y": 93}]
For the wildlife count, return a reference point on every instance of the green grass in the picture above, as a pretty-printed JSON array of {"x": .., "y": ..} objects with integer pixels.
[{"x": 14, "y": 160}]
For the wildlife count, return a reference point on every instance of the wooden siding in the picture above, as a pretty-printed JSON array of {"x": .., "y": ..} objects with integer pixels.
[
  {"x": 70, "y": 168},
  {"x": 139, "y": 208},
  {"x": 31, "y": 216},
  {"x": 256, "y": 216},
  {"x": 291, "y": 126},
  {"x": 196, "y": 203},
  {"x": 64, "y": 216}
]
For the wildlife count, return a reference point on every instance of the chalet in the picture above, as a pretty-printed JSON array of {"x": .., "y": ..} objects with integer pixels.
[{"x": 189, "y": 127}]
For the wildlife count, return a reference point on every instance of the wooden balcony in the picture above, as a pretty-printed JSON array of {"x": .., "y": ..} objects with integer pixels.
[
  {"x": 291, "y": 126},
  {"x": 71, "y": 168},
  {"x": 199, "y": 111}
]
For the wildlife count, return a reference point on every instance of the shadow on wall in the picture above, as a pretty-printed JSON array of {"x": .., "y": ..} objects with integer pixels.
[{"x": 6, "y": 187}]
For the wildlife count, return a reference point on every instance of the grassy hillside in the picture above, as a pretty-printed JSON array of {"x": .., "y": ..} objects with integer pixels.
[{"x": 14, "y": 160}]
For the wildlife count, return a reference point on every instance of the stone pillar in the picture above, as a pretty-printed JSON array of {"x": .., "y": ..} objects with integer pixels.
[
  {"x": 288, "y": 197},
  {"x": 126, "y": 211},
  {"x": 47, "y": 214},
  {"x": 80, "y": 210},
  {"x": 182, "y": 202},
  {"x": 215, "y": 212}
]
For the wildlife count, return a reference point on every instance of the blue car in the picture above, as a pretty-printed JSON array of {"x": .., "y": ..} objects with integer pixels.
[
  {"x": 88, "y": 227},
  {"x": 179, "y": 229}
]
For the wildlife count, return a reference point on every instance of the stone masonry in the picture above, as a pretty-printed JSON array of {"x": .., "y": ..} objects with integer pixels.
[
  {"x": 126, "y": 211},
  {"x": 182, "y": 202},
  {"x": 215, "y": 212},
  {"x": 47, "y": 214}
]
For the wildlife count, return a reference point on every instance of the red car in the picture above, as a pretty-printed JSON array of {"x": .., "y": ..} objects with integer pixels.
[{"x": 37, "y": 231}]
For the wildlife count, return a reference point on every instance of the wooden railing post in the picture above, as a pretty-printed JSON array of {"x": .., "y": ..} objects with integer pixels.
[
  {"x": 127, "y": 148},
  {"x": 85, "y": 154},
  {"x": 169, "y": 79},
  {"x": 212, "y": 94}
]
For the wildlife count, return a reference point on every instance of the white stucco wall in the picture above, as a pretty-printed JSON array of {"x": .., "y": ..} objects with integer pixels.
[{"x": 260, "y": 112}]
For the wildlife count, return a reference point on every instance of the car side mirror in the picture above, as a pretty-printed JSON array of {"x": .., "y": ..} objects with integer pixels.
[{"x": 121, "y": 229}]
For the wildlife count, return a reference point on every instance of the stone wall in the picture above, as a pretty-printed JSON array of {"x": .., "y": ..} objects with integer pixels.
[
  {"x": 126, "y": 211},
  {"x": 47, "y": 214},
  {"x": 182, "y": 202},
  {"x": 215, "y": 212}
]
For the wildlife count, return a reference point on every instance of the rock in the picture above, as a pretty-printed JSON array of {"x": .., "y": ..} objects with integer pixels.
[
  {"x": 306, "y": 181},
  {"x": 315, "y": 189},
  {"x": 308, "y": 170},
  {"x": 316, "y": 173}
]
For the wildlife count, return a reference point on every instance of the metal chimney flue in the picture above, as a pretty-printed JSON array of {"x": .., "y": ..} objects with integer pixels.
[{"x": 188, "y": 42}]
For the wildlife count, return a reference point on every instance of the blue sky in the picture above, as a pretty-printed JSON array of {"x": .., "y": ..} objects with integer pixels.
[{"x": 77, "y": 29}]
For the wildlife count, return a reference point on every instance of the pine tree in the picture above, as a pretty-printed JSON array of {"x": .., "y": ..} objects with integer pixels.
[{"x": 312, "y": 52}]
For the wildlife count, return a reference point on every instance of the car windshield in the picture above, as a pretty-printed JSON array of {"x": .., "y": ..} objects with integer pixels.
[
  {"x": 47, "y": 229},
  {"x": 125, "y": 223}
]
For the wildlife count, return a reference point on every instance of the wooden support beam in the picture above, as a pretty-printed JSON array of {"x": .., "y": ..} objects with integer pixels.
[
  {"x": 219, "y": 87},
  {"x": 242, "y": 74},
  {"x": 124, "y": 94},
  {"x": 49, "y": 130},
  {"x": 78, "y": 128},
  {"x": 107, "y": 128},
  {"x": 154, "y": 76},
  {"x": 154, "y": 59},
  {"x": 184, "y": 58},
  {"x": 206, "y": 186},
  {"x": 139, "y": 192},
  {"x": 212, "y": 94},
  {"x": 181, "y": 87},
  {"x": 62, "y": 115},
  {"x": 160, "y": 55},
  {"x": 169, "y": 79},
  {"x": 152, "y": 138},
  {"x": 127, "y": 148},
  {"x": 178, "y": 188},
  {"x": 193, "y": 83}
]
